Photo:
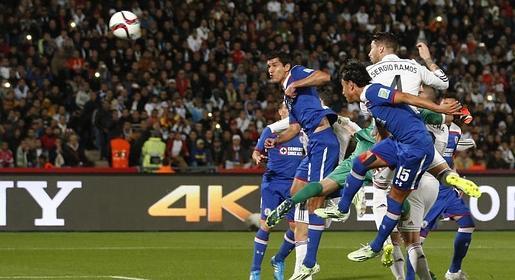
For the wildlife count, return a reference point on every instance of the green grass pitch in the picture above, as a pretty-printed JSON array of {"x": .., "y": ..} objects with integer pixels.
[{"x": 221, "y": 255}]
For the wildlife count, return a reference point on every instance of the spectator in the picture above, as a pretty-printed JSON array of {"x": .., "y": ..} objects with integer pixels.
[
  {"x": 6, "y": 156},
  {"x": 153, "y": 152},
  {"x": 236, "y": 156},
  {"x": 177, "y": 151},
  {"x": 201, "y": 155},
  {"x": 73, "y": 154}
]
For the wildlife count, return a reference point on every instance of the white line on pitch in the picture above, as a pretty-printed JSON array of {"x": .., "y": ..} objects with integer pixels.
[{"x": 127, "y": 278}]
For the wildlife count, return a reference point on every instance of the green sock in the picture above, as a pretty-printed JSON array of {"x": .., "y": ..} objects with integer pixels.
[{"x": 310, "y": 190}]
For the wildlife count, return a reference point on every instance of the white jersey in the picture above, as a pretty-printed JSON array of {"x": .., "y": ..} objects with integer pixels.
[{"x": 406, "y": 75}]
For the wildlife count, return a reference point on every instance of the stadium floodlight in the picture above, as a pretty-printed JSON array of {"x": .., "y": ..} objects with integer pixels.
[
  {"x": 439, "y": 18},
  {"x": 73, "y": 24},
  {"x": 210, "y": 114},
  {"x": 29, "y": 37},
  {"x": 97, "y": 74},
  {"x": 7, "y": 85}
]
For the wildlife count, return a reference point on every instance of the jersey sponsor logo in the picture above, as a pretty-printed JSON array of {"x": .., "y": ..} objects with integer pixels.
[
  {"x": 291, "y": 151},
  {"x": 307, "y": 70},
  {"x": 384, "y": 93}
]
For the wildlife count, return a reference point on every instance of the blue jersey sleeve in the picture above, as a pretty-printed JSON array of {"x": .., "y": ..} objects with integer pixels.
[
  {"x": 378, "y": 94},
  {"x": 267, "y": 133},
  {"x": 299, "y": 72}
]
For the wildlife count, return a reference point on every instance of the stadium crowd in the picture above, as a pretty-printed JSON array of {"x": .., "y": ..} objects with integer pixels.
[{"x": 196, "y": 81}]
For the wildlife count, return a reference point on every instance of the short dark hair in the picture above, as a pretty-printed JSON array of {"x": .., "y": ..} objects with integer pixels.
[
  {"x": 357, "y": 73},
  {"x": 283, "y": 57},
  {"x": 387, "y": 39}
]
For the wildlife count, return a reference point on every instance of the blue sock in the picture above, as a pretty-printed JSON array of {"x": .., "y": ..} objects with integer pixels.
[
  {"x": 387, "y": 225},
  {"x": 410, "y": 273},
  {"x": 287, "y": 246},
  {"x": 260, "y": 243},
  {"x": 461, "y": 245},
  {"x": 352, "y": 186},
  {"x": 315, "y": 230}
]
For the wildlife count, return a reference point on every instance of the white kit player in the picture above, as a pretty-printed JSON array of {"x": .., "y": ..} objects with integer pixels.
[{"x": 405, "y": 75}]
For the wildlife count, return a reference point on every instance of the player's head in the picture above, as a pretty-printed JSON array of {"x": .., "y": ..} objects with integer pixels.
[
  {"x": 279, "y": 63},
  {"x": 282, "y": 110},
  {"x": 383, "y": 43},
  {"x": 354, "y": 77}
]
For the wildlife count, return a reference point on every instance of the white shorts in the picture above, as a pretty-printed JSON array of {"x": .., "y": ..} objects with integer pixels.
[
  {"x": 437, "y": 160},
  {"x": 420, "y": 201},
  {"x": 302, "y": 213}
]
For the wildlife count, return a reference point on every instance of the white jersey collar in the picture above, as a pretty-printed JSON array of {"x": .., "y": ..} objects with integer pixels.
[
  {"x": 285, "y": 82},
  {"x": 390, "y": 57}
]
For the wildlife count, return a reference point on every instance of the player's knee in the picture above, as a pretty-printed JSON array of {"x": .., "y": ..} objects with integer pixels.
[
  {"x": 360, "y": 164},
  {"x": 466, "y": 224},
  {"x": 263, "y": 226}
]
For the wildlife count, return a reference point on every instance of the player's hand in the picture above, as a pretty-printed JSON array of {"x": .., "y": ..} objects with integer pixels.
[
  {"x": 290, "y": 91},
  {"x": 270, "y": 143},
  {"x": 423, "y": 51},
  {"x": 258, "y": 157},
  {"x": 450, "y": 108}
]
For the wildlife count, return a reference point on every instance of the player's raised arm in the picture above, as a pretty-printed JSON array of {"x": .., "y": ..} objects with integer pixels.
[
  {"x": 433, "y": 77},
  {"x": 317, "y": 78},
  {"x": 446, "y": 108}
]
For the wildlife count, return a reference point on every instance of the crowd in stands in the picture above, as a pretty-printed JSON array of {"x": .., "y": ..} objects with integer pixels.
[{"x": 195, "y": 86}]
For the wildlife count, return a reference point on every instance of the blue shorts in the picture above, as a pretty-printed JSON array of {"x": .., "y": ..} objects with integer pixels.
[
  {"x": 448, "y": 204},
  {"x": 323, "y": 154},
  {"x": 274, "y": 193},
  {"x": 302, "y": 170},
  {"x": 410, "y": 160}
]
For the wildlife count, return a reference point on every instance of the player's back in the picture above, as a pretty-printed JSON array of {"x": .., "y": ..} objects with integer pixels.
[
  {"x": 400, "y": 120},
  {"x": 405, "y": 75}
]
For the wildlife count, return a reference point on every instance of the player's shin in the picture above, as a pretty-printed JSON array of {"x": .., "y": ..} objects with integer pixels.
[
  {"x": 389, "y": 222},
  {"x": 418, "y": 261},
  {"x": 260, "y": 244},
  {"x": 286, "y": 247},
  {"x": 315, "y": 230},
  {"x": 398, "y": 262},
  {"x": 461, "y": 242},
  {"x": 353, "y": 184}
]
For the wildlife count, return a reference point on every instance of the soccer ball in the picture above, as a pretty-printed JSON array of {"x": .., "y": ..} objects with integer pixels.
[
  {"x": 252, "y": 221},
  {"x": 125, "y": 25}
]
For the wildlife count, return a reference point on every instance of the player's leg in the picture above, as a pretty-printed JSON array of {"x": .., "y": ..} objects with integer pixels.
[
  {"x": 288, "y": 243},
  {"x": 411, "y": 162},
  {"x": 382, "y": 154},
  {"x": 268, "y": 199},
  {"x": 459, "y": 212},
  {"x": 300, "y": 181},
  {"x": 392, "y": 254},
  {"x": 441, "y": 170},
  {"x": 411, "y": 223},
  {"x": 301, "y": 234}
]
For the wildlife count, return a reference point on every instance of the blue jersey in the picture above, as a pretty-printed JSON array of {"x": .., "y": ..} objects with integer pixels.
[
  {"x": 452, "y": 144},
  {"x": 283, "y": 159},
  {"x": 306, "y": 108},
  {"x": 400, "y": 120}
]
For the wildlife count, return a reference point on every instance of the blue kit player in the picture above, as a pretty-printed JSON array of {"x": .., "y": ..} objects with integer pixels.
[
  {"x": 449, "y": 203},
  {"x": 409, "y": 150},
  {"x": 282, "y": 162},
  {"x": 306, "y": 112}
]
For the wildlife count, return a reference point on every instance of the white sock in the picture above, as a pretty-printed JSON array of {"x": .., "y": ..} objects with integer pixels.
[
  {"x": 398, "y": 263},
  {"x": 418, "y": 261},
  {"x": 301, "y": 248}
]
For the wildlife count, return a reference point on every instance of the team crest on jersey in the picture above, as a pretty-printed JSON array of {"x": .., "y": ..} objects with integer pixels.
[
  {"x": 283, "y": 150},
  {"x": 384, "y": 93}
]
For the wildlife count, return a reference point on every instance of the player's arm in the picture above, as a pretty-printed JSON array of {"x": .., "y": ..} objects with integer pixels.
[
  {"x": 317, "y": 78},
  {"x": 433, "y": 77},
  {"x": 446, "y": 108},
  {"x": 465, "y": 144},
  {"x": 259, "y": 154},
  {"x": 434, "y": 118},
  {"x": 288, "y": 134}
]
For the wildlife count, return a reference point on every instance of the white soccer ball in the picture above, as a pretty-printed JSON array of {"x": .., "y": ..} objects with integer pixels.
[
  {"x": 253, "y": 221},
  {"x": 125, "y": 25}
]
